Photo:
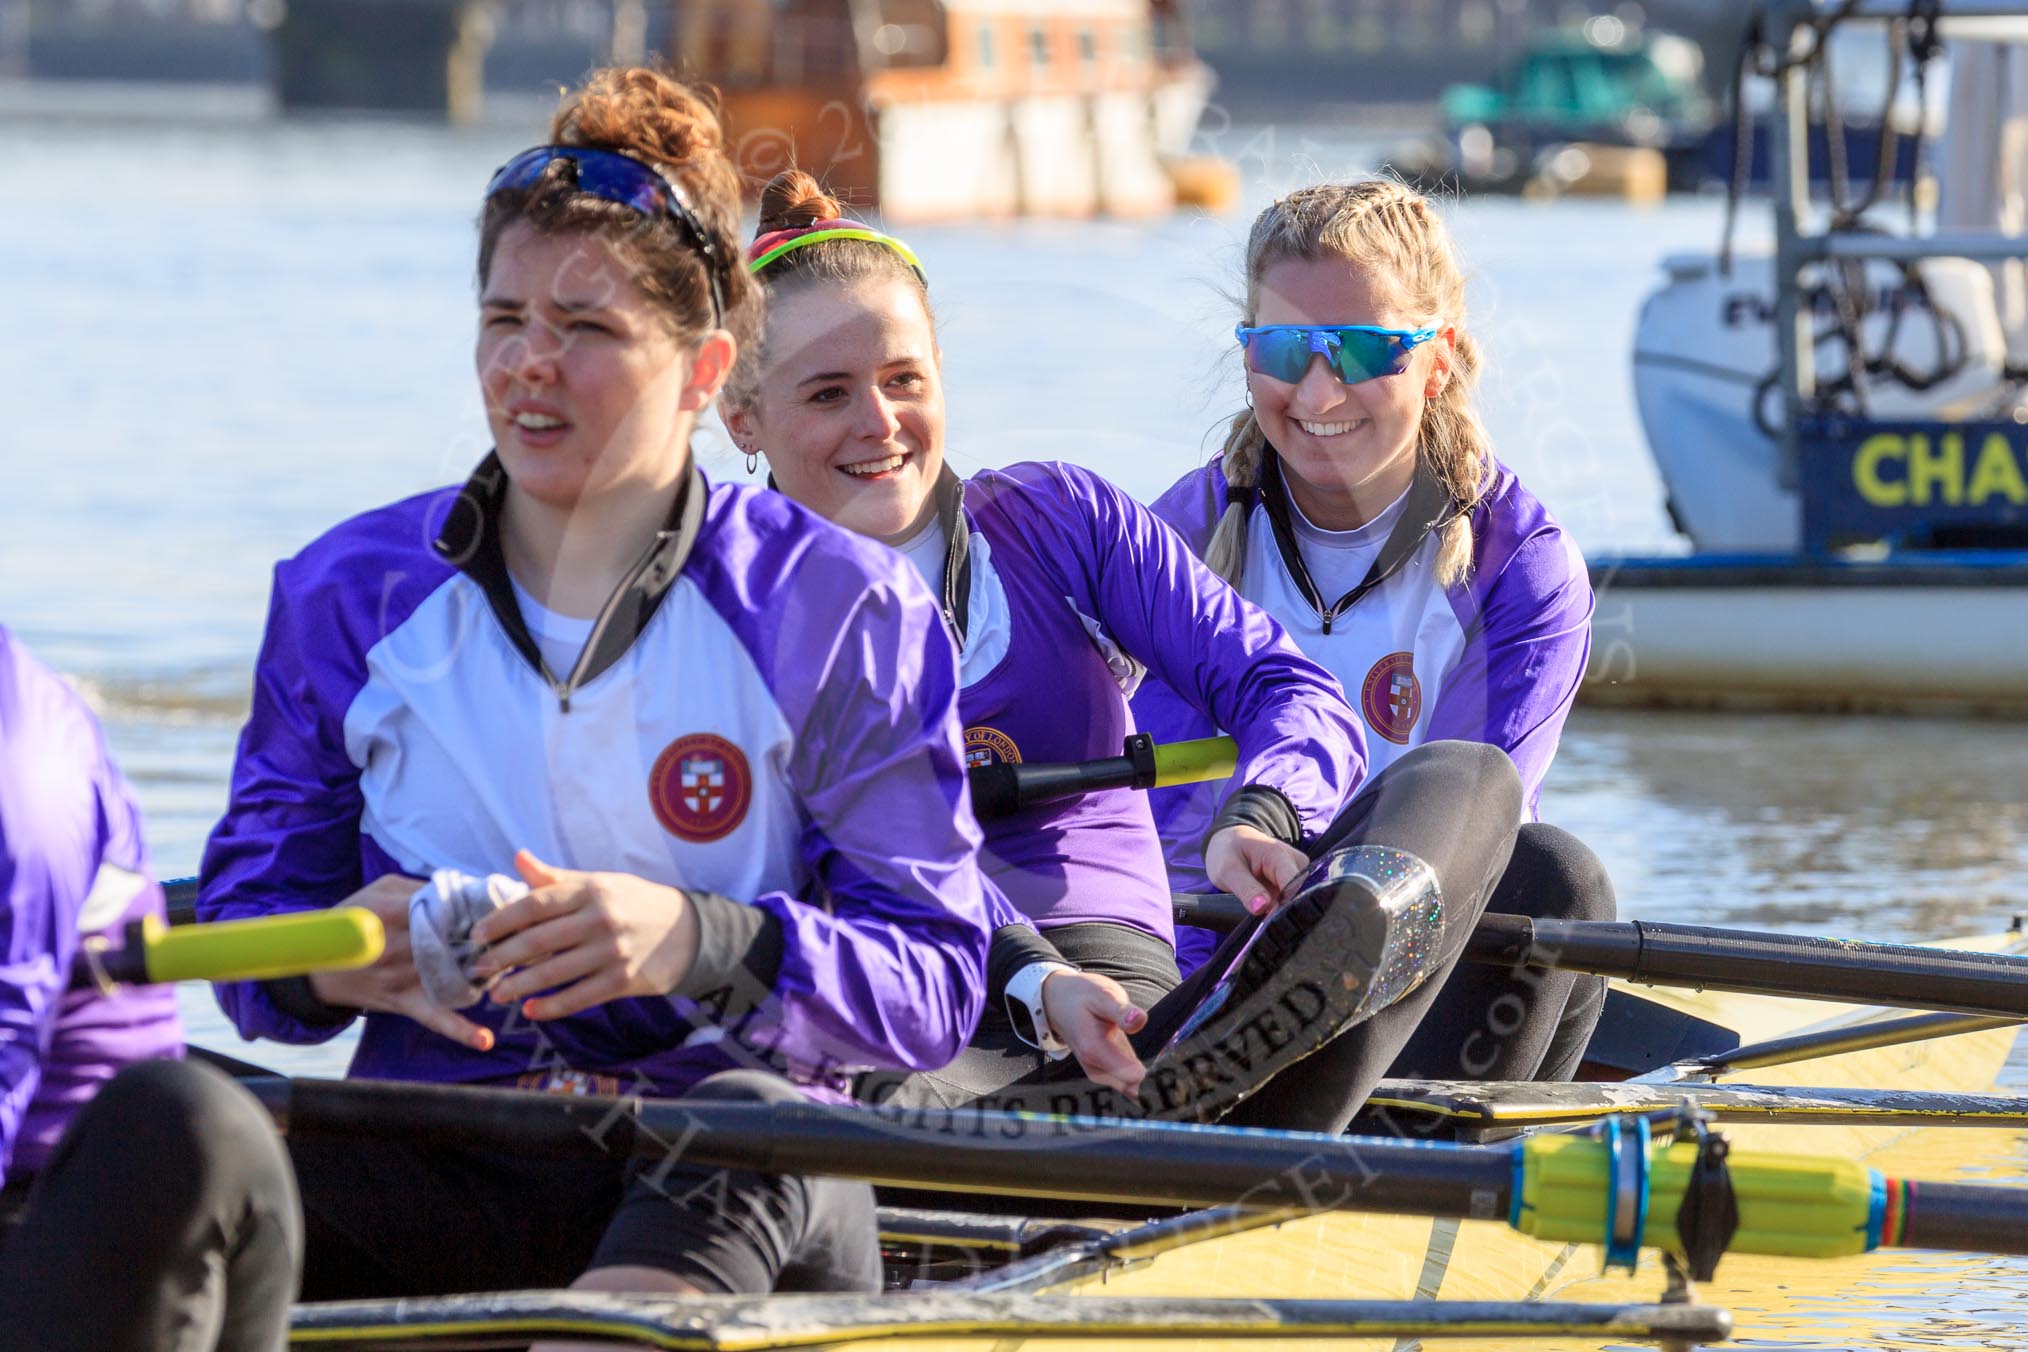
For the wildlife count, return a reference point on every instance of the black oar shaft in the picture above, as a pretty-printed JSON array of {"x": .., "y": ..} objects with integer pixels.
[
  {"x": 1002, "y": 788},
  {"x": 1076, "y": 1159},
  {"x": 1899, "y": 975},
  {"x": 1963, "y": 1216}
]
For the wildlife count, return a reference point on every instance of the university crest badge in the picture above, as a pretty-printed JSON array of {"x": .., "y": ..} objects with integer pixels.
[
  {"x": 700, "y": 787},
  {"x": 1391, "y": 697},
  {"x": 989, "y": 746}
]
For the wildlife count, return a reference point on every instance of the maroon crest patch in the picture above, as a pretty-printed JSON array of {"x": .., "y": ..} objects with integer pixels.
[
  {"x": 700, "y": 787},
  {"x": 1392, "y": 697},
  {"x": 989, "y": 746}
]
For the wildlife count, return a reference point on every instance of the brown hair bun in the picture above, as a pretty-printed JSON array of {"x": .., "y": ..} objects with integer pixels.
[
  {"x": 673, "y": 125},
  {"x": 646, "y": 114},
  {"x": 793, "y": 199}
]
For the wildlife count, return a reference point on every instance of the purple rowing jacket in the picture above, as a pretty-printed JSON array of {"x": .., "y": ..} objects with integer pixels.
[
  {"x": 765, "y": 716},
  {"x": 1496, "y": 658},
  {"x": 1070, "y": 591},
  {"x": 72, "y": 865}
]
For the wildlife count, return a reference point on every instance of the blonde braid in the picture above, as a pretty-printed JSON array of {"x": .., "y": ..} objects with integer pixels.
[
  {"x": 1244, "y": 445},
  {"x": 1391, "y": 232}
]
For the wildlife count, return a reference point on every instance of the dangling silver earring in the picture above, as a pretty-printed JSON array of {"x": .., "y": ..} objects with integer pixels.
[{"x": 752, "y": 463}]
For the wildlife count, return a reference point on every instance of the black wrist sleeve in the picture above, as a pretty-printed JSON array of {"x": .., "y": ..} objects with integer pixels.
[
  {"x": 1014, "y": 947},
  {"x": 293, "y": 996},
  {"x": 739, "y": 947},
  {"x": 1265, "y": 810}
]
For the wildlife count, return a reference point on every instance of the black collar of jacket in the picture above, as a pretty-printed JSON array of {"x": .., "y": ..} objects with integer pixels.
[
  {"x": 470, "y": 541},
  {"x": 957, "y": 597},
  {"x": 1429, "y": 506}
]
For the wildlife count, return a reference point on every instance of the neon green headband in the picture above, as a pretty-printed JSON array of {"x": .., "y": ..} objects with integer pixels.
[{"x": 820, "y": 231}]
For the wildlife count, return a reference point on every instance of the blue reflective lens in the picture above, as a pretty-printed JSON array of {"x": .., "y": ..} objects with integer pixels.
[
  {"x": 1355, "y": 352},
  {"x": 614, "y": 177}
]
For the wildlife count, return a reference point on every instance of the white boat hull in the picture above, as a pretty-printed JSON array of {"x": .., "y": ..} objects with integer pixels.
[
  {"x": 1704, "y": 358},
  {"x": 1759, "y": 633}
]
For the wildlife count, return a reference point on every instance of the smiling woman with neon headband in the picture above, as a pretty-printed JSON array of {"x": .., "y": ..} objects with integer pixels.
[
  {"x": 1061, "y": 592},
  {"x": 675, "y": 709}
]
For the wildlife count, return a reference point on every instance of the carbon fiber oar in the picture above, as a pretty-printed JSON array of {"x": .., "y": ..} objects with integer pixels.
[
  {"x": 1848, "y": 971},
  {"x": 750, "y": 1323},
  {"x": 1617, "y": 1187}
]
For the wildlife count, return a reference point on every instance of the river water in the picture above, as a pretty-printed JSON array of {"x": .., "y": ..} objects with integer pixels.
[{"x": 222, "y": 337}]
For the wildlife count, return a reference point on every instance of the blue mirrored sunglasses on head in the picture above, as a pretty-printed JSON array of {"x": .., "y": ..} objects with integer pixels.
[
  {"x": 1355, "y": 352},
  {"x": 615, "y": 177}
]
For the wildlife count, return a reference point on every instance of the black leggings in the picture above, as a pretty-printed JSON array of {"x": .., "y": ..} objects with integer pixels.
[
  {"x": 1495, "y": 1023},
  {"x": 1455, "y": 806},
  {"x": 395, "y": 1218},
  {"x": 166, "y": 1220}
]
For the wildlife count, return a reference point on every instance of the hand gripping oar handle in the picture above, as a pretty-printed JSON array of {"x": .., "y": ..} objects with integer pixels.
[
  {"x": 234, "y": 950},
  {"x": 1560, "y": 1187},
  {"x": 1002, "y": 789}
]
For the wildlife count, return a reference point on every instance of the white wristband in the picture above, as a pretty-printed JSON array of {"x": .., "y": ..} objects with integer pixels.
[{"x": 1024, "y": 1007}]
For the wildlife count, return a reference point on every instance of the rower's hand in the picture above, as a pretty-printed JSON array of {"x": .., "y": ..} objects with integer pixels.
[
  {"x": 1253, "y": 866},
  {"x": 1093, "y": 1016},
  {"x": 390, "y": 984},
  {"x": 596, "y": 936}
]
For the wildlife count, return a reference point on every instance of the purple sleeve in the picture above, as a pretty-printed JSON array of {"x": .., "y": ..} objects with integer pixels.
[
  {"x": 51, "y": 837},
  {"x": 39, "y": 941},
  {"x": 289, "y": 840},
  {"x": 884, "y": 962},
  {"x": 1525, "y": 654},
  {"x": 1219, "y": 652}
]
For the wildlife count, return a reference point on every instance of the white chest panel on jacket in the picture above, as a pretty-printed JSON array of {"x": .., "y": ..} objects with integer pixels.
[
  {"x": 466, "y": 756},
  {"x": 1391, "y": 652}
]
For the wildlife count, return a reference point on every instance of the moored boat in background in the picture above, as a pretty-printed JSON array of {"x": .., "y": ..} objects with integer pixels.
[
  {"x": 1843, "y": 435},
  {"x": 957, "y": 109}
]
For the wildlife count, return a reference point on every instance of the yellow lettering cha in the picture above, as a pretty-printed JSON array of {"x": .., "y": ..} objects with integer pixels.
[{"x": 1866, "y": 471}]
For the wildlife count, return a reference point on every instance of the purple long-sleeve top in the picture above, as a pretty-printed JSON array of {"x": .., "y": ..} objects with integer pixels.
[
  {"x": 72, "y": 866},
  {"x": 1076, "y": 591},
  {"x": 765, "y": 716}
]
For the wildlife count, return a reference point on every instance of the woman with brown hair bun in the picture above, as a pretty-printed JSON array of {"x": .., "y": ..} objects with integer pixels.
[{"x": 673, "y": 708}]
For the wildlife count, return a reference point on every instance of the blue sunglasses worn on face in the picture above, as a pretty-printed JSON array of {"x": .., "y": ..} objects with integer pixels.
[
  {"x": 614, "y": 177},
  {"x": 1355, "y": 352}
]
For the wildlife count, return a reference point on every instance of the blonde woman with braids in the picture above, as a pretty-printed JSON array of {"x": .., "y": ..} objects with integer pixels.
[{"x": 1357, "y": 500}]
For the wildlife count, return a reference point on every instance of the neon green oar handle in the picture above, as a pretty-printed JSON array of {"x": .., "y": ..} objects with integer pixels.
[
  {"x": 1800, "y": 1206},
  {"x": 1000, "y": 789},
  {"x": 1194, "y": 762},
  {"x": 239, "y": 950}
]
